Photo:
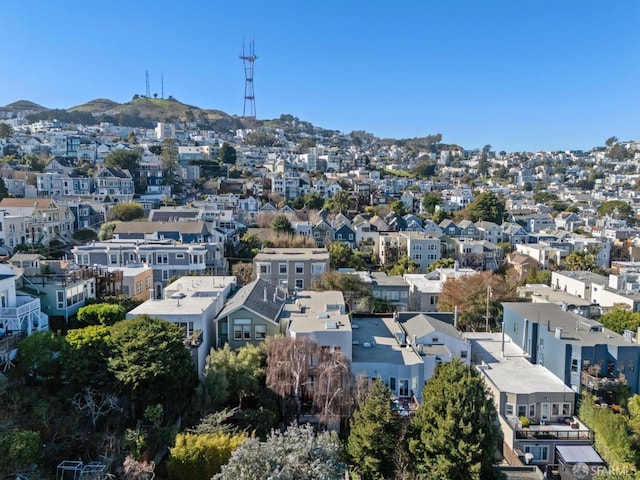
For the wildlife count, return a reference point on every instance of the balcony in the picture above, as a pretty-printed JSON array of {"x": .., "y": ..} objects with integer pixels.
[
  {"x": 569, "y": 429},
  {"x": 595, "y": 383}
]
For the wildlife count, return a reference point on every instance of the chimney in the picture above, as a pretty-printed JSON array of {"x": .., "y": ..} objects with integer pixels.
[
  {"x": 265, "y": 294},
  {"x": 558, "y": 332}
]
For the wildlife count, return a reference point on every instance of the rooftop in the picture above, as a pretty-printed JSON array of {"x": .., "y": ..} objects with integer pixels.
[
  {"x": 375, "y": 341},
  {"x": 511, "y": 372},
  {"x": 270, "y": 254},
  {"x": 312, "y": 311}
]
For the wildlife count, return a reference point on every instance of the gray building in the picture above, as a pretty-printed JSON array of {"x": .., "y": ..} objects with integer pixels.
[{"x": 291, "y": 268}]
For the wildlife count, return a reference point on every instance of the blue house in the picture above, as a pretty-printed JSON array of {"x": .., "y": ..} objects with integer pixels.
[
  {"x": 345, "y": 233},
  {"x": 580, "y": 352}
]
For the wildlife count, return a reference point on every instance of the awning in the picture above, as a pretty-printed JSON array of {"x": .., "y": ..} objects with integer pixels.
[{"x": 578, "y": 453}]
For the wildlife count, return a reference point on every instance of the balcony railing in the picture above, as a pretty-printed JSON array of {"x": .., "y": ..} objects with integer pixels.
[{"x": 594, "y": 383}]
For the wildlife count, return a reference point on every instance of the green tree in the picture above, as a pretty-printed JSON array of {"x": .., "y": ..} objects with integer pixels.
[
  {"x": 169, "y": 159},
  {"x": 227, "y": 154},
  {"x": 581, "y": 260},
  {"x": 125, "y": 160},
  {"x": 402, "y": 266},
  {"x": 5, "y": 130},
  {"x": 39, "y": 356},
  {"x": 282, "y": 226},
  {"x": 621, "y": 319},
  {"x": 101, "y": 314},
  {"x": 199, "y": 456},
  {"x": 454, "y": 433},
  {"x": 85, "y": 356},
  {"x": 20, "y": 449},
  {"x": 340, "y": 255},
  {"x": 618, "y": 209},
  {"x": 544, "y": 197},
  {"x": 398, "y": 207},
  {"x": 149, "y": 360},
  {"x": 85, "y": 235},
  {"x": 444, "y": 262},
  {"x": 127, "y": 212},
  {"x": 430, "y": 201},
  {"x": 106, "y": 230},
  {"x": 611, "y": 141},
  {"x": 489, "y": 207},
  {"x": 424, "y": 169},
  {"x": 339, "y": 203},
  {"x": 4, "y": 192},
  {"x": 298, "y": 453},
  {"x": 373, "y": 435}
]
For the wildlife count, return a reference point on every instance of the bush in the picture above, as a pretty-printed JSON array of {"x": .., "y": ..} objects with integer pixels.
[{"x": 101, "y": 314}]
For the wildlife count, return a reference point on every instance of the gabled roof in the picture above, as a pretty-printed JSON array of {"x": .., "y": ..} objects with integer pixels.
[
  {"x": 114, "y": 172},
  {"x": 260, "y": 297},
  {"x": 37, "y": 203},
  {"x": 421, "y": 324}
]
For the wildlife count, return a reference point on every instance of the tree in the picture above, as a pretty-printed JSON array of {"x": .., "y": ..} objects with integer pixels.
[
  {"x": 4, "y": 192},
  {"x": 199, "y": 456},
  {"x": 243, "y": 271},
  {"x": 95, "y": 404},
  {"x": 85, "y": 356},
  {"x": 282, "y": 226},
  {"x": 169, "y": 159},
  {"x": 374, "y": 432},
  {"x": 39, "y": 356},
  {"x": 85, "y": 235},
  {"x": 471, "y": 293},
  {"x": 125, "y": 160},
  {"x": 101, "y": 314},
  {"x": 618, "y": 209},
  {"x": 489, "y": 207},
  {"x": 19, "y": 449},
  {"x": 127, "y": 212},
  {"x": 5, "y": 130},
  {"x": 333, "y": 389},
  {"x": 227, "y": 154},
  {"x": 454, "y": 433},
  {"x": 430, "y": 201},
  {"x": 339, "y": 203},
  {"x": 621, "y": 319},
  {"x": 298, "y": 453},
  {"x": 424, "y": 169},
  {"x": 402, "y": 266},
  {"x": 289, "y": 363},
  {"x": 398, "y": 207},
  {"x": 149, "y": 360},
  {"x": 106, "y": 230},
  {"x": 611, "y": 141},
  {"x": 340, "y": 255},
  {"x": 581, "y": 260},
  {"x": 444, "y": 262}
]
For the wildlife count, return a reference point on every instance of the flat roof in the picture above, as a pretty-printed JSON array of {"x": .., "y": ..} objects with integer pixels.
[
  {"x": 544, "y": 293},
  {"x": 511, "y": 372},
  {"x": 579, "y": 453},
  {"x": 275, "y": 254},
  {"x": 575, "y": 328},
  {"x": 379, "y": 334},
  {"x": 584, "y": 276},
  {"x": 170, "y": 307},
  {"x": 311, "y": 311}
]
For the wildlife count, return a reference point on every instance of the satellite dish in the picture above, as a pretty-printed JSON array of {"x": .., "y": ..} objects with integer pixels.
[{"x": 178, "y": 296}]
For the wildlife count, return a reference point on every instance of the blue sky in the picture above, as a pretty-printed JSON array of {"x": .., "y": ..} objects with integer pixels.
[{"x": 516, "y": 74}]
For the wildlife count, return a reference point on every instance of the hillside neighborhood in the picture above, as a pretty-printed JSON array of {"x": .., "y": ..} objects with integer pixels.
[{"x": 157, "y": 272}]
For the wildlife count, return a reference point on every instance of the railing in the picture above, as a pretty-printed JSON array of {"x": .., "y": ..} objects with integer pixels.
[
  {"x": 592, "y": 382},
  {"x": 552, "y": 434}
]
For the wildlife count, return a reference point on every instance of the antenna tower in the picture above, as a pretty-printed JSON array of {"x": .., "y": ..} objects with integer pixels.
[
  {"x": 148, "y": 86},
  {"x": 248, "y": 59}
]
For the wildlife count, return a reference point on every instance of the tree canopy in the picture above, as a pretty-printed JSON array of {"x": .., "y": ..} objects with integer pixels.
[
  {"x": 281, "y": 225},
  {"x": 227, "y": 154},
  {"x": 489, "y": 207},
  {"x": 127, "y": 211},
  {"x": 298, "y": 453},
  {"x": 454, "y": 433},
  {"x": 621, "y": 319},
  {"x": 618, "y": 209},
  {"x": 124, "y": 159},
  {"x": 373, "y": 435}
]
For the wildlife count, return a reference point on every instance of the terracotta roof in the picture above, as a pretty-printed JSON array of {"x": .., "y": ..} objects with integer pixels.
[{"x": 40, "y": 203}]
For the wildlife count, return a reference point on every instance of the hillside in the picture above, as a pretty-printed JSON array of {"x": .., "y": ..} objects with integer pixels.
[
  {"x": 24, "y": 105},
  {"x": 95, "y": 107}
]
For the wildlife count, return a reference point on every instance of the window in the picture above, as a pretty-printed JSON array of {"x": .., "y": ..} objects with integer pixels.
[
  {"x": 574, "y": 365},
  {"x": 463, "y": 354},
  {"x": 522, "y": 410},
  {"x": 282, "y": 268},
  {"x": 555, "y": 409},
  {"x": 60, "y": 299},
  {"x": 392, "y": 384},
  {"x": 264, "y": 268},
  {"x": 299, "y": 283},
  {"x": 162, "y": 258},
  {"x": 317, "y": 268},
  {"x": 260, "y": 332},
  {"x": 165, "y": 274},
  {"x": 508, "y": 410},
  {"x": 299, "y": 268},
  {"x": 138, "y": 288},
  {"x": 143, "y": 258},
  {"x": 566, "y": 409},
  {"x": 242, "y": 329},
  {"x": 539, "y": 452},
  {"x": 532, "y": 410},
  {"x": 113, "y": 259},
  {"x": 404, "y": 387},
  {"x": 179, "y": 256},
  {"x": 435, "y": 340},
  {"x": 147, "y": 282}
]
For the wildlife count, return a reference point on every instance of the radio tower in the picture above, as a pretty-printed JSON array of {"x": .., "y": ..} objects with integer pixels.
[{"x": 249, "y": 97}]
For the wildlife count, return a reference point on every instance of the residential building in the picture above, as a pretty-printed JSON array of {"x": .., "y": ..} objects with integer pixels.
[
  {"x": 422, "y": 248},
  {"x": 20, "y": 314},
  {"x": 193, "y": 303},
  {"x": 579, "y": 351},
  {"x": 251, "y": 315},
  {"x": 47, "y": 219},
  {"x": 291, "y": 268},
  {"x": 136, "y": 280},
  {"x": 535, "y": 408},
  {"x": 115, "y": 183}
]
